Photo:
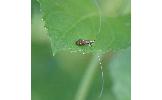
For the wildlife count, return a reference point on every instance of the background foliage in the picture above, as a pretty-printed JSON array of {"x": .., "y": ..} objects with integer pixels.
[{"x": 58, "y": 77}]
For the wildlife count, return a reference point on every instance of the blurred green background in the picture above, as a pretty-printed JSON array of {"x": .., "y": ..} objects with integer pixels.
[{"x": 59, "y": 77}]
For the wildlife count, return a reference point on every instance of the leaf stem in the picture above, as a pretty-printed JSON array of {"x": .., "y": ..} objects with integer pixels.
[{"x": 87, "y": 79}]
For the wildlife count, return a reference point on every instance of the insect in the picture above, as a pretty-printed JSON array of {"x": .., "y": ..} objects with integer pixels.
[{"x": 82, "y": 42}]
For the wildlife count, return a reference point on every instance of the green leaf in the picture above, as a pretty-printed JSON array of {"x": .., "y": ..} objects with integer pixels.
[
  {"x": 120, "y": 70},
  {"x": 70, "y": 20}
]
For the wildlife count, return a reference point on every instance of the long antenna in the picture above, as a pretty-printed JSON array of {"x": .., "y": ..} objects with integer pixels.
[
  {"x": 102, "y": 82},
  {"x": 100, "y": 18},
  {"x": 102, "y": 77},
  {"x": 99, "y": 30}
]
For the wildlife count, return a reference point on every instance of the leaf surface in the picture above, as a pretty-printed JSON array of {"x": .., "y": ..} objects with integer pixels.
[{"x": 70, "y": 20}]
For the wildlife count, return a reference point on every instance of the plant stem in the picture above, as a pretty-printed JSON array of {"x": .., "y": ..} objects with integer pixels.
[{"x": 87, "y": 79}]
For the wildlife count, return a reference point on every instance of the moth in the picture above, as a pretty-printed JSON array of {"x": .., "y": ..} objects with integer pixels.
[{"x": 82, "y": 42}]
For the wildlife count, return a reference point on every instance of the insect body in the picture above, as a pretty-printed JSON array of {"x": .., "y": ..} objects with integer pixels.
[{"x": 82, "y": 42}]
